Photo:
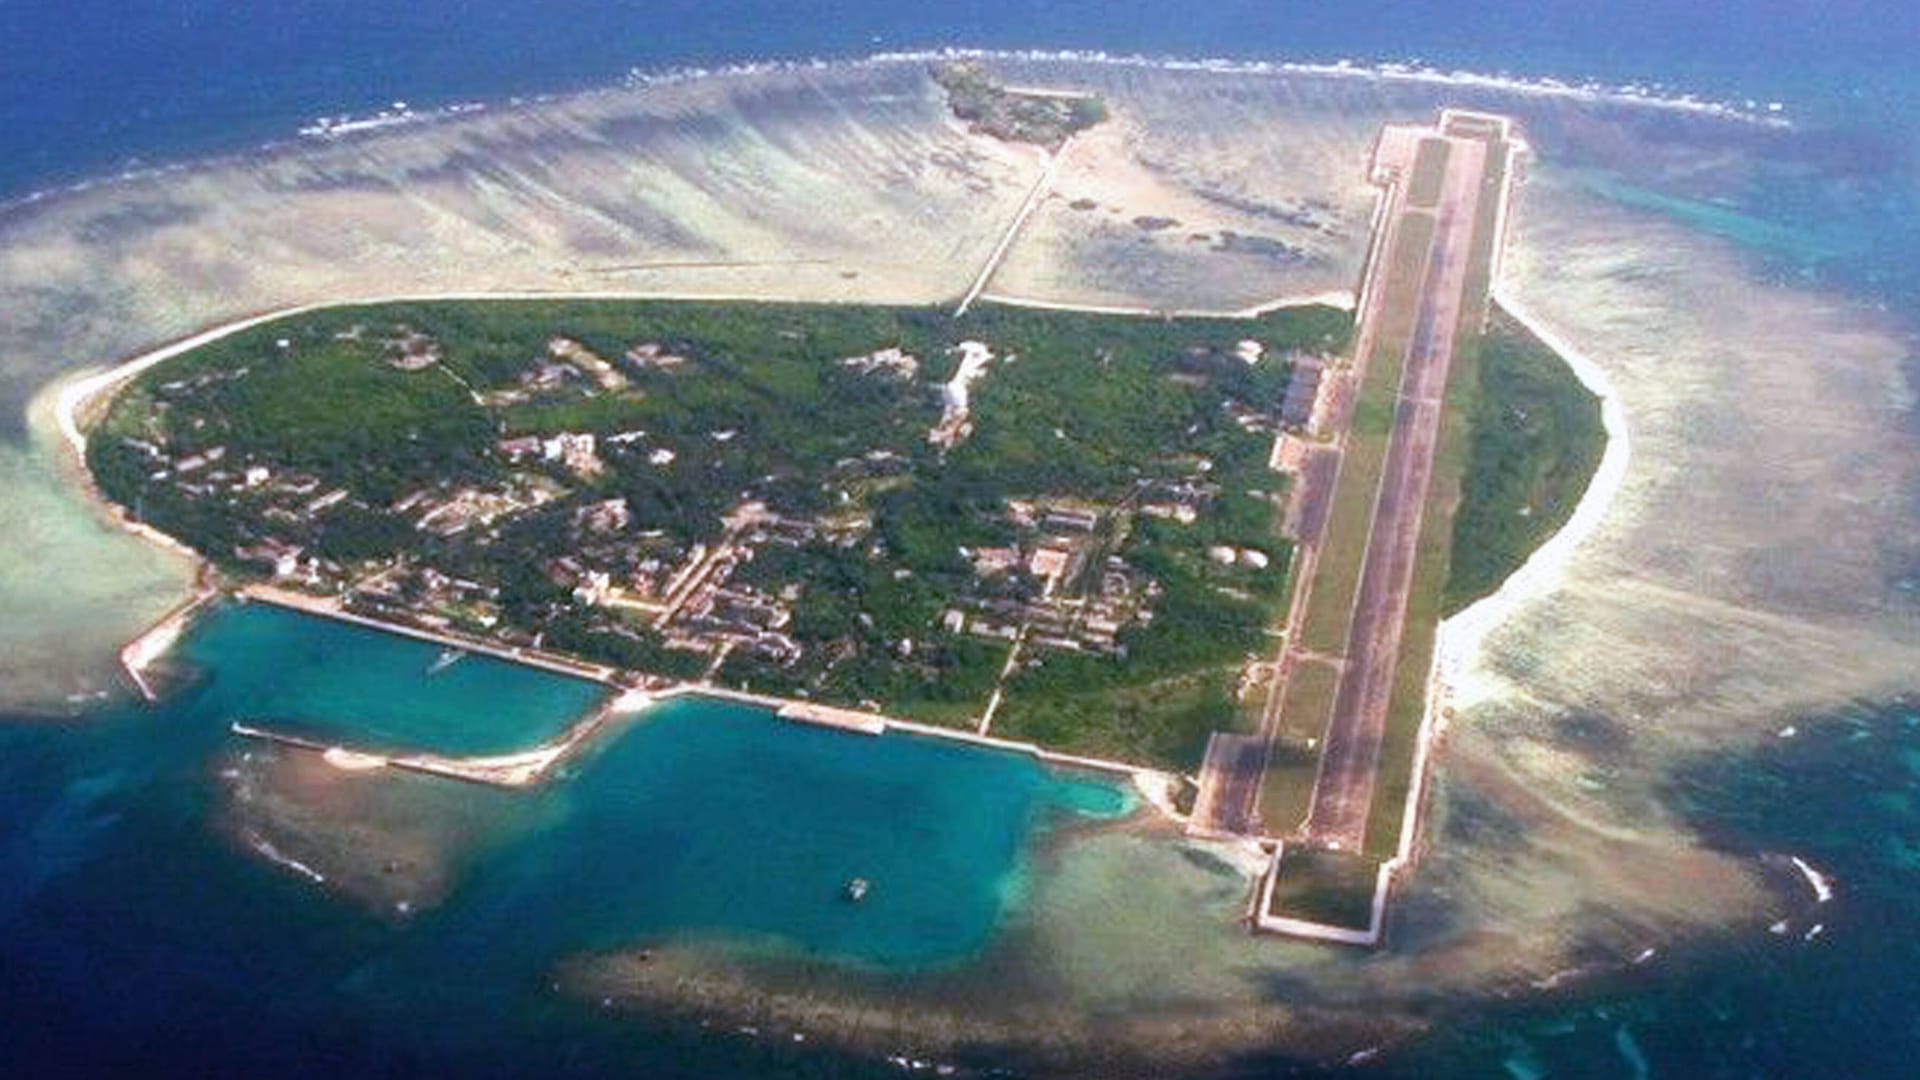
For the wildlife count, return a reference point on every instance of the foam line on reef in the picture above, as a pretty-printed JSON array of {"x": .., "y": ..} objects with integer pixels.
[{"x": 1588, "y": 91}]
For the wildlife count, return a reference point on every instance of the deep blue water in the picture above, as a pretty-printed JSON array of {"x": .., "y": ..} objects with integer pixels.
[{"x": 89, "y": 85}]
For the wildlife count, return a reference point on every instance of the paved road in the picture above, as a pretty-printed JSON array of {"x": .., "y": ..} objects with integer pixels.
[
  {"x": 1234, "y": 767},
  {"x": 1350, "y": 755}
]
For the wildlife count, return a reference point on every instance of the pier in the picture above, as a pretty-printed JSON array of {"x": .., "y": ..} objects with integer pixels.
[{"x": 521, "y": 769}]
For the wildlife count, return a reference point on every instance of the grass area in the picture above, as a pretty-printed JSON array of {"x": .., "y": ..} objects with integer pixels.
[
  {"x": 1486, "y": 218},
  {"x": 1429, "y": 172},
  {"x": 1537, "y": 439},
  {"x": 1331, "y": 887},
  {"x": 1286, "y": 789},
  {"x": 1253, "y": 701},
  {"x": 1310, "y": 690},
  {"x": 1343, "y": 546},
  {"x": 1088, "y": 706}
]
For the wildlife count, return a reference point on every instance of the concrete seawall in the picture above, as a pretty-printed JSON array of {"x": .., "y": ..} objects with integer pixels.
[
  {"x": 330, "y": 608},
  {"x": 138, "y": 655}
]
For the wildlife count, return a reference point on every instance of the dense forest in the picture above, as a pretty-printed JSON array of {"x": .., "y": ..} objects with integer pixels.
[{"x": 1537, "y": 439}]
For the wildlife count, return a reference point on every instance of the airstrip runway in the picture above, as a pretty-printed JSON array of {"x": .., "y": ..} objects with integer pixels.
[
  {"x": 1343, "y": 792},
  {"x": 1409, "y": 322}
]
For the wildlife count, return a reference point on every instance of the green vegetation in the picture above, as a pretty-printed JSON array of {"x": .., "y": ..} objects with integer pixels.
[
  {"x": 1343, "y": 546},
  {"x": 434, "y": 458},
  {"x": 1537, "y": 439},
  {"x": 1045, "y": 119},
  {"x": 1330, "y": 887}
]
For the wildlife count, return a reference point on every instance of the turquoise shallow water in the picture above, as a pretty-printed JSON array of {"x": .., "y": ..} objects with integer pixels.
[
  {"x": 334, "y": 681},
  {"x": 713, "y": 818},
  {"x": 132, "y": 934},
  {"x": 700, "y": 815}
]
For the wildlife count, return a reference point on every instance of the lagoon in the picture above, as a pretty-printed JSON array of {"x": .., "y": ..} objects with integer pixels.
[
  {"x": 715, "y": 819},
  {"x": 700, "y": 815},
  {"x": 371, "y": 690},
  {"x": 699, "y": 821}
]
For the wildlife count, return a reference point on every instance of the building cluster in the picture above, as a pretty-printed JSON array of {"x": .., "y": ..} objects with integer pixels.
[
  {"x": 579, "y": 452},
  {"x": 1059, "y": 579},
  {"x": 691, "y": 596},
  {"x": 427, "y": 596},
  {"x": 567, "y": 366},
  {"x": 956, "y": 396},
  {"x": 1059, "y": 586},
  {"x": 892, "y": 362},
  {"x": 448, "y": 513},
  {"x": 410, "y": 350}
]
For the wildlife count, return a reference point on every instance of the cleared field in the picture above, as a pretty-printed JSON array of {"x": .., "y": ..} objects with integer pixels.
[
  {"x": 1286, "y": 791},
  {"x": 1330, "y": 887},
  {"x": 1310, "y": 689},
  {"x": 1343, "y": 549},
  {"x": 1304, "y": 712}
]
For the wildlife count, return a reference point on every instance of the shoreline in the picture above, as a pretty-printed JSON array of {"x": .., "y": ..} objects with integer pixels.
[
  {"x": 527, "y": 767},
  {"x": 1462, "y": 634},
  {"x": 1457, "y": 638}
]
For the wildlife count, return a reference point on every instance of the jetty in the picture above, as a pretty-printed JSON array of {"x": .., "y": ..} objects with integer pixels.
[
  {"x": 833, "y": 717},
  {"x": 138, "y": 656}
]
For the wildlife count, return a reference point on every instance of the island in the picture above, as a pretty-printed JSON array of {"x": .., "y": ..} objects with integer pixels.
[{"x": 1209, "y": 550}]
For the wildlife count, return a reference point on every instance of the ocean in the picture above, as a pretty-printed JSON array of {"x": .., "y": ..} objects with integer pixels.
[
  {"x": 131, "y": 935},
  {"x": 95, "y": 87},
  {"x": 92, "y": 86}
]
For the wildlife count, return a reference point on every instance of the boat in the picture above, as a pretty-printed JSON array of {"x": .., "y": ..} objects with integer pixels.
[
  {"x": 448, "y": 657},
  {"x": 857, "y": 889}
]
